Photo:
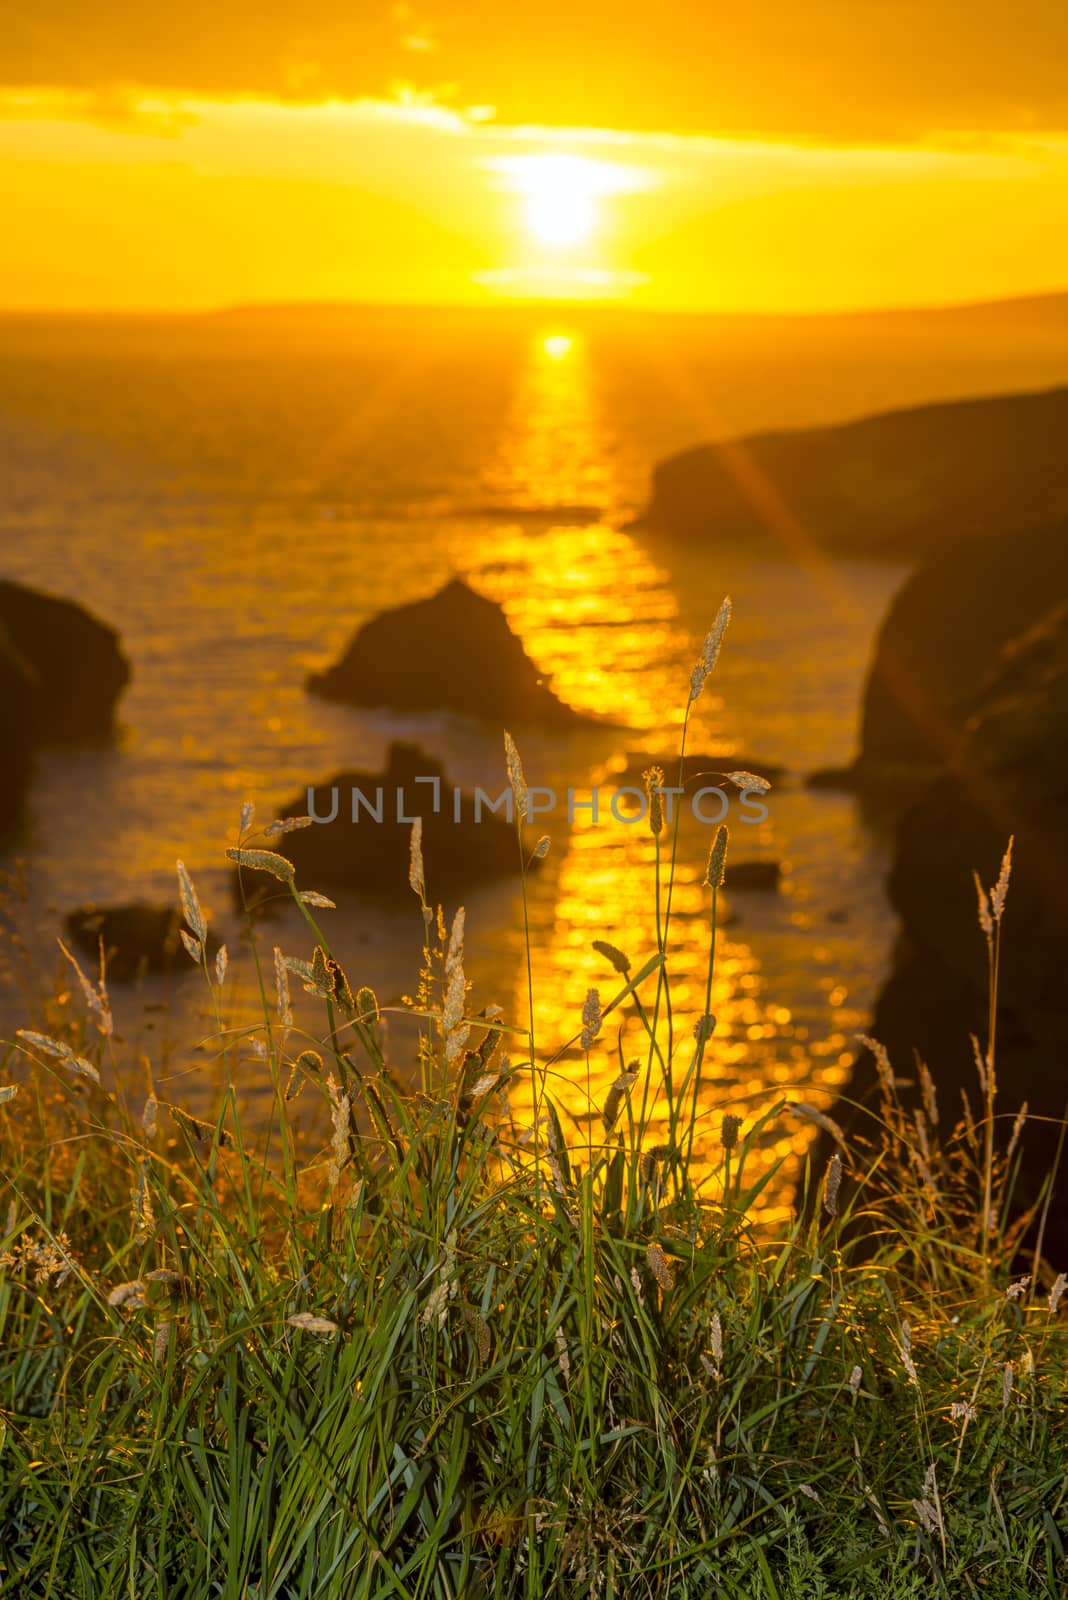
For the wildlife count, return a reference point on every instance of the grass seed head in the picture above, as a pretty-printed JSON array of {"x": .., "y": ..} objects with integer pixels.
[
  {"x": 749, "y": 780},
  {"x": 516, "y": 778},
  {"x": 882, "y": 1066},
  {"x": 415, "y": 859},
  {"x": 704, "y": 1028},
  {"x": 927, "y": 1089},
  {"x": 130, "y": 1295},
  {"x": 563, "y": 1356},
  {"x": 831, "y": 1185},
  {"x": 999, "y": 892},
  {"x": 710, "y": 649},
  {"x": 616, "y": 1096},
  {"x": 799, "y": 1108},
  {"x": 194, "y": 916},
  {"x": 311, "y": 1323},
  {"x": 149, "y": 1118},
  {"x": 340, "y": 1120},
  {"x": 591, "y": 1018},
  {"x": 658, "y": 1265},
  {"x": 281, "y": 979},
  {"x": 95, "y": 998},
  {"x": 717, "y": 857},
  {"x": 986, "y": 921},
  {"x": 653, "y": 778},
  {"x": 610, "y": 953}
]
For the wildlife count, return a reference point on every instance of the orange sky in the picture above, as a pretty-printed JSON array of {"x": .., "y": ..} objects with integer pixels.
[{"x": 688, "y": 155}]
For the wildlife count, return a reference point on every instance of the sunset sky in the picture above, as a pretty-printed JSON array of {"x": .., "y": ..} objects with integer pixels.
[{"x": 776, "y": 156}]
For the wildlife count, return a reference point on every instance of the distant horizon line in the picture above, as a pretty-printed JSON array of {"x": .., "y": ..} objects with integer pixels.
[{"x": 545, "y": 306}]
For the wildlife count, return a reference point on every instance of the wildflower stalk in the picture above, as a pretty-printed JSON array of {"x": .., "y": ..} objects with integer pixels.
[
  {"x": 521, "y": 802},
  {"x": 705, "y": 664},
  {"x": 714, "y": 878},
  {"x": 990, "y": 915}
]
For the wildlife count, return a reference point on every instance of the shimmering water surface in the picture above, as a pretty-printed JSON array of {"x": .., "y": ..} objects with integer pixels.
[{"x": 237, "y": 496}]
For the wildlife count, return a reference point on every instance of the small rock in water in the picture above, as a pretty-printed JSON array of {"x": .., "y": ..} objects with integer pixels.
[
  {"x": 138, "y": 938},
  {"x": 764, "y": 876},
  {"x": 371, "y": 855}
]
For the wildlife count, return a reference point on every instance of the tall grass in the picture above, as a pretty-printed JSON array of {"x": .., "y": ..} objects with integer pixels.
[{"x": 456, "y": 1356}]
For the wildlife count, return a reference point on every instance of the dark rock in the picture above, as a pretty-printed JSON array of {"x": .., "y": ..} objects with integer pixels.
[
  {"x": 371, "y": 857},
  {"x": 940, "y": 642},
  {"x": 1007, "y": 775},
  {"x": 899, "y": 778},
  {"x": 763, "y": 876},
  {"x": 883, "y": 792},
  {"x": 61, "y": 673},
  {"x": 899, "y": 484},
  {"x": 451, "y": 652},
  {"x": 570, "y": 513},
  {"x": 72, "y": 664},
  {"x": 16, "y": 741},
  {"x": 837, "y": 779},
  {"x": 137, "y": 938}
]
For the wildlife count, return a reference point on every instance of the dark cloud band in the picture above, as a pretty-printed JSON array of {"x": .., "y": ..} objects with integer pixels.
[{"x": 840, "y": 70}]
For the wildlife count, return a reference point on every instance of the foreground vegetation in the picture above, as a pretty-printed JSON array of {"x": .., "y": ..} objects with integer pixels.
[{"x": 468, "y": 1354}]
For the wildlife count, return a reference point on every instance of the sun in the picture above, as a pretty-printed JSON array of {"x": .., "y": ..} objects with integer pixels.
[{"x": 562, "y": 193}]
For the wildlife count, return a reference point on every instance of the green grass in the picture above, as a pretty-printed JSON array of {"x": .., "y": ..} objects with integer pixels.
[{"x": 445, "y": 1359}]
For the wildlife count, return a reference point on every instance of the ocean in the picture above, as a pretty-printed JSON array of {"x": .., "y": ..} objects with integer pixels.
[{"x": 237, "y": 493}]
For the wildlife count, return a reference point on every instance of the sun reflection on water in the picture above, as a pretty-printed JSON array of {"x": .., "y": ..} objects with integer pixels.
[
  {"x": 557, "y": 346},
  {"x": 601, "y": 618}
]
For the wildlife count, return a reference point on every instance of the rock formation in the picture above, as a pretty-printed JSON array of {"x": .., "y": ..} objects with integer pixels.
[
  {"x": 897, "y": 485},
  {"x": 1007, "y": 774},
  {"x": 137, "y": 938},
  {"x": 451, "y": 652},
  {"x": 61, "y": 674},
  {"x": 371, "y": 856}
]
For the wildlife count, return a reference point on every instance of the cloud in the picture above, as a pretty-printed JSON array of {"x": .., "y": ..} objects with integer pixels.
[{"x": 845, "y": 71}]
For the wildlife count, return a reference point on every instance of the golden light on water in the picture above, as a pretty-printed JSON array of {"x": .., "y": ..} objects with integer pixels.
[
  {"x": 601, "y": 616},
  {"x": 615, "y": 631}
]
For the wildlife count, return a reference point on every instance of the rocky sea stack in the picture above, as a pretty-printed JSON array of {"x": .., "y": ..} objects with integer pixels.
[
  {"x": 61, "y": 674},
  {"x": 451, "y": 652},
  {"x": 370, "y": 855}
]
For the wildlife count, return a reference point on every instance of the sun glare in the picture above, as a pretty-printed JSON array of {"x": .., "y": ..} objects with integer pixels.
[
  {"x": 561, "y": 193},
  {"x": 557, "y": 346},
  {"x": 560, "y": 197}
]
